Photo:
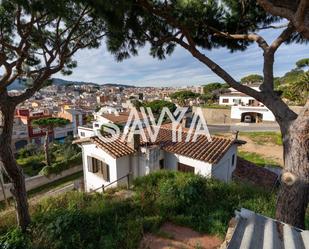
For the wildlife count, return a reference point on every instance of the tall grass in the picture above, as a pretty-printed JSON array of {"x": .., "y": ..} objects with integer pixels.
[{"x": 78, "y": 220}]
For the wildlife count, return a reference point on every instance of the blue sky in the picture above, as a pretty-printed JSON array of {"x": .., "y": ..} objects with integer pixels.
[{"x": 180, "y": 69}]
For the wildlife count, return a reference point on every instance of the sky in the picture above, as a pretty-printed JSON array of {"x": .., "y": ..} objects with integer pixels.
[{"x": 181, "y": 69}]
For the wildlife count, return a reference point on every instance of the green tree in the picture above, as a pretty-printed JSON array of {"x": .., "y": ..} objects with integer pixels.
[
  {"x": 252, "y": 78},
  {"x": 184, "y": 95},
  {"x": 156, "y": 106},
  {"x": 199, "y": 25},
  {"x": 47, "y": 125},
  {"x": 303, "y": 63},
  {"x": 211, "y": 87},
  {"x": 38, "y": 38}
]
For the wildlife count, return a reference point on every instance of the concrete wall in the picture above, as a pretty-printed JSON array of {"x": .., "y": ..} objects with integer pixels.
[
  {"x": 215, "y": 116},
  {"x": 37, "y": 181},
  {"x": 224, "y": 168}
]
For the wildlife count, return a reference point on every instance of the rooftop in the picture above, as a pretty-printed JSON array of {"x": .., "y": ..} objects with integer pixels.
[{"x": 201, "y": 149}]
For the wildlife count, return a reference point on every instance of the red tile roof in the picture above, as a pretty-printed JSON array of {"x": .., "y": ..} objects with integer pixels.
[
  {"x": 120, "y": 118},
  {"x": 201, "y": 149},
  {"x": 115, "y": 148}
]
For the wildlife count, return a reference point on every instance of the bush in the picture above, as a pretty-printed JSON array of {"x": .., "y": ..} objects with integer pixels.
[
  {"x": 32, "y": 164},
  {"x": 58, "y": 167},
  {"x": 78, "y": 220},
  {"x": 206, "y": 205},
  {"x": 15, "y": 239},
  {"x": 28, "y": 150}
]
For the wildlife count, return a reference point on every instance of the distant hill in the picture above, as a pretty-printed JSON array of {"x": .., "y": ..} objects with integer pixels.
[
  {"x": 16, "y": 85},
  {"x": 117, "y": 85}
]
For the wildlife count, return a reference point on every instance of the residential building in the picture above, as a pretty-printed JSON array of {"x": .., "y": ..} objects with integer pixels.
[
  {"x": 35, "y": 134},
  {"x": 245, "y": 108},
  {"x": 77, "y": 116},
  {"x": 105, "y": 161}
]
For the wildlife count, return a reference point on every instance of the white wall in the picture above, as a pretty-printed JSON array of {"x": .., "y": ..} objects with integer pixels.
[
  {"x": 235, "y": 100},
  {"x": 201, "y": 167},
  {"x": 236, "y": 112},
  {"x": 95, "y": 180},
  {"x": 85, "y": 132},
  {"x": 123, "y": 168},
  {"x": 223, "y": 169}
]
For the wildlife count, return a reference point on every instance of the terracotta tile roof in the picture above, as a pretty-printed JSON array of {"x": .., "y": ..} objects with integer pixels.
[
  {"x": 201, "y": 149},
  {"x": 116, "y": 148},
  {"x": 120, "y": 118}
]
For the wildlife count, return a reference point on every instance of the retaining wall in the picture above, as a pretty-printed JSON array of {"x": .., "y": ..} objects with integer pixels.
[{"x": 38, "y": 181}]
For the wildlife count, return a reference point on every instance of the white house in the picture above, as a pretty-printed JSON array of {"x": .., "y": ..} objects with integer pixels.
[
  {"x": 104, "y": 162},
  {"x": 245, "y": 108},
  {"x": 116, "y": 116}
]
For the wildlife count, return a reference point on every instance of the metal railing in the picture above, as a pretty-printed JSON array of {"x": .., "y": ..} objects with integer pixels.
[{"x": 103, "y": 187}]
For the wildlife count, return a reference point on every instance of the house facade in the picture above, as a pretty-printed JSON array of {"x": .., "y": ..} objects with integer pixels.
[
  {"x": 245, "y": 108},
  {"x": 104, "y": 162}
]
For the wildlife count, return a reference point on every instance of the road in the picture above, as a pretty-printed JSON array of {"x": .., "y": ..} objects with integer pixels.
[{"x": 242, "y": 127}]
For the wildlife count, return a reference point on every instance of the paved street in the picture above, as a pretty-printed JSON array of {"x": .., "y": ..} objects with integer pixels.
[{"x": 242, "y": 127}]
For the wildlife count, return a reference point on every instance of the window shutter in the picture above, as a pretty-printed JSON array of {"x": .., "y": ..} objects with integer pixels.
[{"x": 94, "y": 166}]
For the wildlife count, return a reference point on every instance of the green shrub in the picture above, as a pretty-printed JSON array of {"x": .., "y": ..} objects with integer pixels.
[
  {"x": 32, "y": 165},
  {"x": 77, "y": 220},
  {"x": 14, "y": 239},
  {"x": 58, "y": 167}
]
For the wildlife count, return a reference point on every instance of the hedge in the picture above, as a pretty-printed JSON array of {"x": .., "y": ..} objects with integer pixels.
[{"x": 57, "y": 168}]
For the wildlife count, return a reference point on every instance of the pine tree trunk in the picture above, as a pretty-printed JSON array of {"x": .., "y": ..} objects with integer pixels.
[
  {"x": 46, "y": 142},
  {"x": 14, "y": 172},
  {"x": 293, "y": 196}
]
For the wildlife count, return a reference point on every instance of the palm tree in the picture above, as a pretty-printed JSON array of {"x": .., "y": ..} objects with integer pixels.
[{"x": 47, "y": 124}]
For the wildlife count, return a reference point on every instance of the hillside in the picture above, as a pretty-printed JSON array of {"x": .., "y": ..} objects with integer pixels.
[
  {"x": 79, "y": 220},
  {"x": 16, "y": 85}
]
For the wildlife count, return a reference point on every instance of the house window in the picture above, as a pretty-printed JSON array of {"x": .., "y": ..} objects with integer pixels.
[
  {"x": 225, "y": 100},
  {"x": 161, "y": 164},
  {"x": 97, "y": 166},
  {"x": 82, "y": 134},
  {"x": 233, "y": 160}
]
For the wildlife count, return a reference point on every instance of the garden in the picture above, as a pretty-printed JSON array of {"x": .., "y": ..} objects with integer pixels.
[
  {"x": 63, "y": 156},
  {"x": 80, "y": 220}
]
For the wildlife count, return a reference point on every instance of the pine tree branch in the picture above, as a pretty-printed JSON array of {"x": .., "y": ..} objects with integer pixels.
[{"x": 297, "y": 18}]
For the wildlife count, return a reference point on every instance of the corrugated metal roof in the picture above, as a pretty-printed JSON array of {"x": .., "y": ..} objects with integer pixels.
[{"x": 254, "y": 231}]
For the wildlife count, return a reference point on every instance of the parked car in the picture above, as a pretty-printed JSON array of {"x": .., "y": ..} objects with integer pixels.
[{"x": 247, "y": 119}]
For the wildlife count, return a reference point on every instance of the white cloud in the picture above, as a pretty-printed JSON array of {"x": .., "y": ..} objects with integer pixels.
[{"x": 181, "y": 68}]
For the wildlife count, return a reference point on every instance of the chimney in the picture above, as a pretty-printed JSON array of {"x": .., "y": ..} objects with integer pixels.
[
  {"x": 184, "y": 122},
  {"x": 134, "y": 140}
]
